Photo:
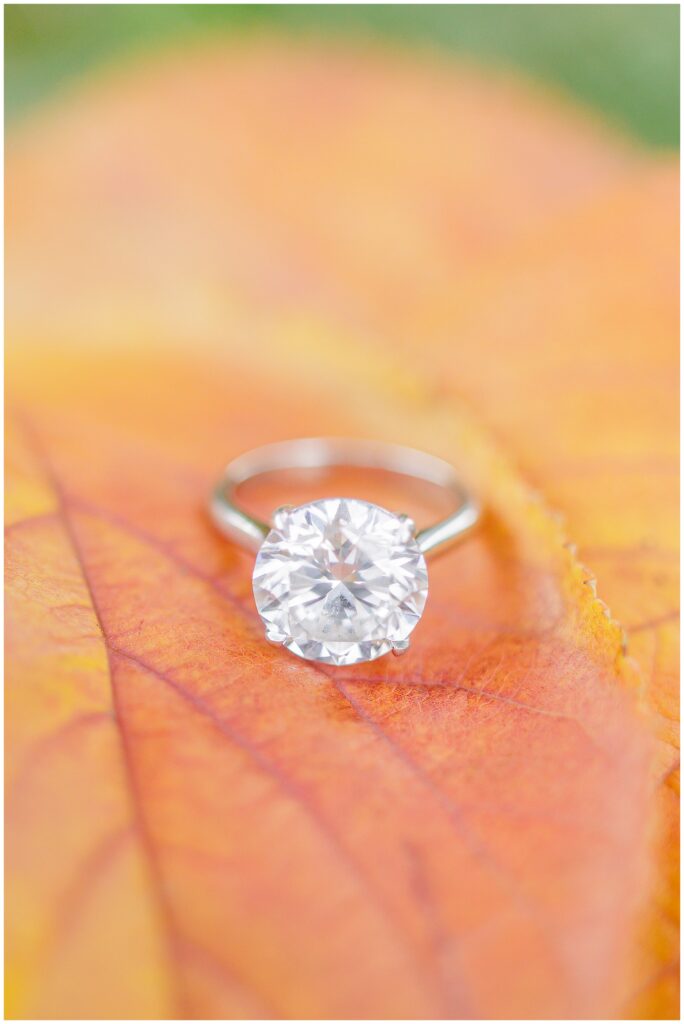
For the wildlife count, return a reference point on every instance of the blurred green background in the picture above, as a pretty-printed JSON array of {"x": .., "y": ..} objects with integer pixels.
[{"x": 622, "y": 59}]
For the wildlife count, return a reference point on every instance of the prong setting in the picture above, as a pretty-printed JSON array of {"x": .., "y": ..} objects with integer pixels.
[
  {"x": 280, "y": 516},
  {"x": 408, "y": 526},
  {"x": 275, "y": 637},
  {"x": 400, "y": 647}
]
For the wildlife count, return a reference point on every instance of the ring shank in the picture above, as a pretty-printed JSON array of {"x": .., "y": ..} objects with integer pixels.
[{"x": 327, "y": 453}]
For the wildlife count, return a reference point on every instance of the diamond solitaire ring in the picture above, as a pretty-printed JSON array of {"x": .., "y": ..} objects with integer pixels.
[{"x": 340, "y": 580}]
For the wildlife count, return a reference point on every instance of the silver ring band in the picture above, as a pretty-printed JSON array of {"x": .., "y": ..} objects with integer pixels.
[{"x": 327, "y": 453}]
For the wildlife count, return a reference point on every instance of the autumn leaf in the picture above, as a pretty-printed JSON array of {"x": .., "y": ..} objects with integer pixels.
[{"x": 203, "y": 826}]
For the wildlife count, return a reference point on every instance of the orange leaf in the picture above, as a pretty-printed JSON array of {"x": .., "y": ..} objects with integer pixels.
[{"x": 200, "y": 825}]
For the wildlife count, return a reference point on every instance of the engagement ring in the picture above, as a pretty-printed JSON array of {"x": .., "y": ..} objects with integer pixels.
[{"x": 340, "y": 580}]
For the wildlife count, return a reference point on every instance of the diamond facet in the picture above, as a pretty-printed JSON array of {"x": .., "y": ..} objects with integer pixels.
[{"x": 340, "y": 581}]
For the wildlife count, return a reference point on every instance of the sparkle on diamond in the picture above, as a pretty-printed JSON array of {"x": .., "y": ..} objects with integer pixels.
[{"x": 339, "y": 580}]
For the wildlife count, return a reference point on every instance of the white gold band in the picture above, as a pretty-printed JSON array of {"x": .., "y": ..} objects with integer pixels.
[{"x": 327, "y": 453}]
